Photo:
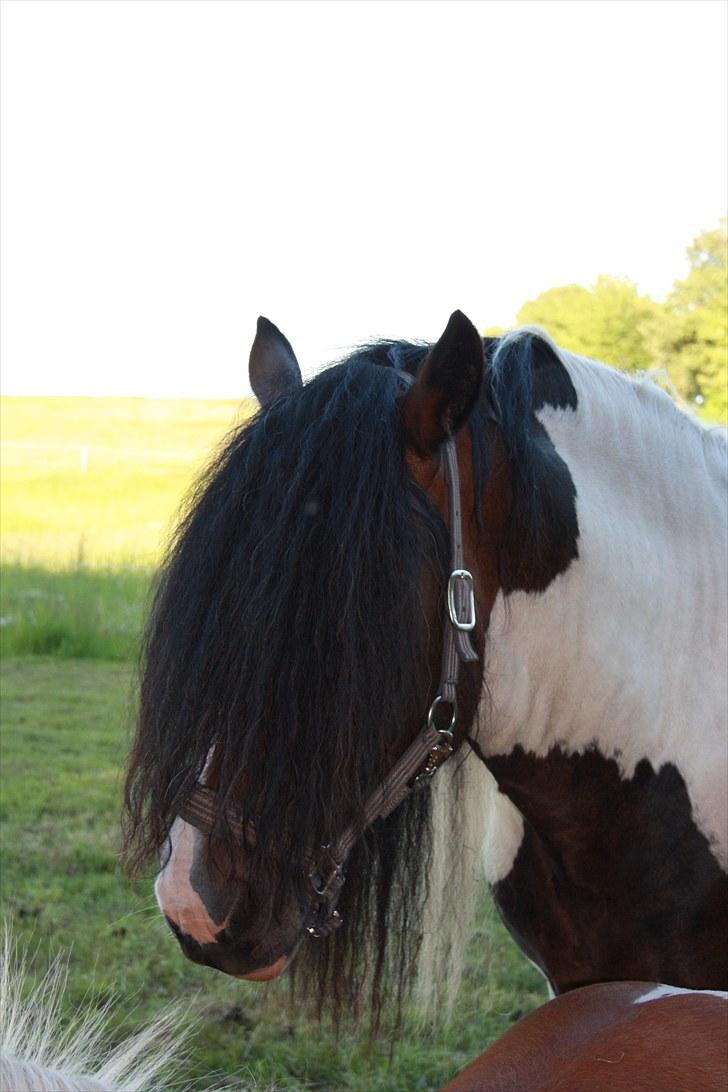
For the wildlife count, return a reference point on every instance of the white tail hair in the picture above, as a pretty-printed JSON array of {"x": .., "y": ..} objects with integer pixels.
[{"x": 41, "y": 1053}]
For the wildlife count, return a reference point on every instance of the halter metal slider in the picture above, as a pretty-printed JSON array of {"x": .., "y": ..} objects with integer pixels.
[{"x": 461, "y": 578}]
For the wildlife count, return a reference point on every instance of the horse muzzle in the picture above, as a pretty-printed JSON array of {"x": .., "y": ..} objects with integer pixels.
[{"x": 257, "y": 961}]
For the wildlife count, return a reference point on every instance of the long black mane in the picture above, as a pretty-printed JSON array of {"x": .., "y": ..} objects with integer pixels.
[{"x": 290, "y": 633}]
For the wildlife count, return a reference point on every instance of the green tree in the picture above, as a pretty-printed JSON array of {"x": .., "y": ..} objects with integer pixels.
[
  {"x": 694, "y": 338},
  {"x": 610, "y": 321},
  {"x": 687, "y": 336}
]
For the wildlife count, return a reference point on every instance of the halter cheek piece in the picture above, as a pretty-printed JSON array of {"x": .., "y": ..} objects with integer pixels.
[{"x": 412, "y": 771}]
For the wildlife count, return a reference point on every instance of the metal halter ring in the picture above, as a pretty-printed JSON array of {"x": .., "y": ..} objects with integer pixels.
[
  {"x": 465, "y": 579},
  {"x": 453, "y": 719}
]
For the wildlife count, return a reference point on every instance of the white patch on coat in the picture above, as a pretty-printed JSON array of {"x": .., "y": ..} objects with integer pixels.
[
  {"x": 627, "y": 649},
  {"x": 503, "y": 832},
  {"x": 675, "y": 991}
]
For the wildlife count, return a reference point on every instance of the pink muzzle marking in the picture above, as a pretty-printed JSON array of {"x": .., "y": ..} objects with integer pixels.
[
  {"x": 176, "y": 897},
  {"x": 265, "y": 974}
]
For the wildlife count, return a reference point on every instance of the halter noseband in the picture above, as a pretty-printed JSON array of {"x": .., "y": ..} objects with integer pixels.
[{"x": 412, "y": 771}]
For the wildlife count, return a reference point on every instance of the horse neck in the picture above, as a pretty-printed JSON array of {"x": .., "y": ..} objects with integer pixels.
[{"x": 626, "y": 650}]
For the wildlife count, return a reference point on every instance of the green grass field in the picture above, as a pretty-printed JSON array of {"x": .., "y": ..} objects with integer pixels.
[
  {"x": 100, "y": 479},
  {"x": 81, "y": 536},
  {"x": 65, "y": 734},
  {"x": 76, "y": 612}
]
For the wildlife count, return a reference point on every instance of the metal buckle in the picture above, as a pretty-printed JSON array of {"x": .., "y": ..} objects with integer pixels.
[{"x": 465, "y": 579}]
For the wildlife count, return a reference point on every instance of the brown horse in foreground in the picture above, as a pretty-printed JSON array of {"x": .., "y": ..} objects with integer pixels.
[{"x": 615, "y": 1036}]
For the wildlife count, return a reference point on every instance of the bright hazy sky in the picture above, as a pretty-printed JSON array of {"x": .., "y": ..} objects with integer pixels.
[{"x": 349, "y": 169}]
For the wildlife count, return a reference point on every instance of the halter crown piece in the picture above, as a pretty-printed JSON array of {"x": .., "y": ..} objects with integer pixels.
[{"x": 414, "y": 769}]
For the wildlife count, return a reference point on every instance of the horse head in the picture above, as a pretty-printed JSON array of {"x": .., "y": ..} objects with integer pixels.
[{"x": 295, "y": 647}]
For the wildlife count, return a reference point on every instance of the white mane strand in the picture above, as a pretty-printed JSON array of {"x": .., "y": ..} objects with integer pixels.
[{"x": 40, "y": 1053}]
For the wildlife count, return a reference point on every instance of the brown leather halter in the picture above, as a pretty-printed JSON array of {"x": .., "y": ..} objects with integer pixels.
[{"x": 412, "y": 771}]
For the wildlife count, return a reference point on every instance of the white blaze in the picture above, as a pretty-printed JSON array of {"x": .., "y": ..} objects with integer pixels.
[{"x": 175, "y": 895}]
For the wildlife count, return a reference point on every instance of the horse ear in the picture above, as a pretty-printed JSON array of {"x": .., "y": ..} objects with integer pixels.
[
  {"x": 446, "y": 388},
  {"x": 273, "y": 367}
]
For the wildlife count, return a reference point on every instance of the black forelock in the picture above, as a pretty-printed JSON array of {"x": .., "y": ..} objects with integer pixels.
[{"x": 300, "y": 539}]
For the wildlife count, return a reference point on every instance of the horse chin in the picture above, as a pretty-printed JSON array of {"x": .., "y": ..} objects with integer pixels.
[{"x": 265, "y": 974}]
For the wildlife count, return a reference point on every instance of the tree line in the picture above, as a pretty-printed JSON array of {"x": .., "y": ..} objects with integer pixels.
[{"x": 686, "y": 336}]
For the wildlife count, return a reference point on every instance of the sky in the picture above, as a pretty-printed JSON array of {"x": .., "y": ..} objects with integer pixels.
[{"x": 171, "y": 169}]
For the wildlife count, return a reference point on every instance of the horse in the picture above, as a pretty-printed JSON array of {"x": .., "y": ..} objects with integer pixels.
[
  {"x": 38, "y": 1053},
  {"x": 624, "y": 1036},
  {"x": 518, "y": 548}
]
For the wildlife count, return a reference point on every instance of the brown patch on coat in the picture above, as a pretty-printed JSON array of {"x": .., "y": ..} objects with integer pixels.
[
  {"x": 613, "y": 879},
  {"x": 599, "y": 1037}
]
